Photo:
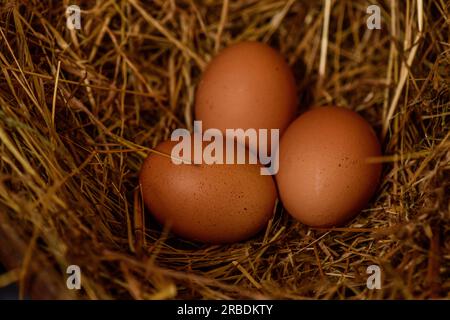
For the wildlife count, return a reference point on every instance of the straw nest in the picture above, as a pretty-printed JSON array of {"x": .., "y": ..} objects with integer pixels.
[{"x": 80, "y": 109}]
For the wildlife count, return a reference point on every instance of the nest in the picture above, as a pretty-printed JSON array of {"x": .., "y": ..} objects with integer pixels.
[{"x": 80, "y": 109}]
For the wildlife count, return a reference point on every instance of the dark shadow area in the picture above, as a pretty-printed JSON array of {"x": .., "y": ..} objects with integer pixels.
[{"x": 10, "y": 292}]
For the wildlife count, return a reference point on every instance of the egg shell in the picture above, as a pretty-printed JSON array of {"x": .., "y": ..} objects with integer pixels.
[
  {"x": 324, "y": 178},
  {"x": 216, "y": 203},
  {"x": 247, "y": 85}
]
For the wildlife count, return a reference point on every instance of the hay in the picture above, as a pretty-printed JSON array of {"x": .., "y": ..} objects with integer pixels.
[{"x": 80, "y": 109}]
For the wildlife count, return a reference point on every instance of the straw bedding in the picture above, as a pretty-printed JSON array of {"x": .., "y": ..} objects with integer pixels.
[{"x": 80, "y": 109}]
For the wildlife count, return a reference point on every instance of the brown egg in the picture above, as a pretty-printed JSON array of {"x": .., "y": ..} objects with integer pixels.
[
  {"x": 247, "y": 85},
  {"x": 324, "y": 178},
  {"x": 216, "y": 203}
]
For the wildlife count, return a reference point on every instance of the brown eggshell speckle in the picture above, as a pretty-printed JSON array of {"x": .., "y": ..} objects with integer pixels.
[
  {"x": 217, "y": 203},
  {"x": 324, "y": 178}
]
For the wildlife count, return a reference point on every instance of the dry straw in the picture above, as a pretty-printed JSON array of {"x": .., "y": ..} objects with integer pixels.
[{"x": 80, "y": 109}]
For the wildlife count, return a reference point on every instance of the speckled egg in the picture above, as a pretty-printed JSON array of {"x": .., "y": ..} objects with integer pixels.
[
  {"x": 215, "y": 203},
  {"x": 247, "y": 85},
  {"x": 325, "y": 176}
]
